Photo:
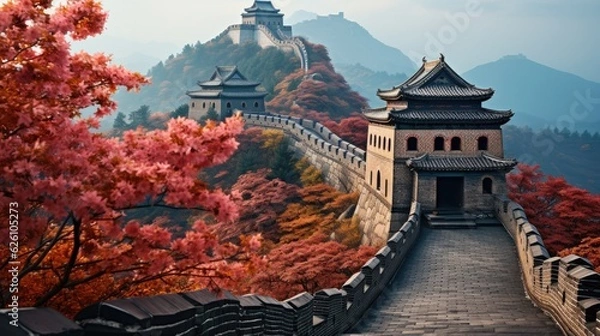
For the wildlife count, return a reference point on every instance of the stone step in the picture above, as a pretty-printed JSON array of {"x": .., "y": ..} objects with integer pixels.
[
  {"x": 487, "y": 222},
  {"x": 453, "y": 224}
]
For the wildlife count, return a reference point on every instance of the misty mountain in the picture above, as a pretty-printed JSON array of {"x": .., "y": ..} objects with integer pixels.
[
  {"x": 300, "y": 16},
  {"x": 366, "y": 81},
  {"x": 349, "y": 45},
  {"x": 540, "y": 96}
]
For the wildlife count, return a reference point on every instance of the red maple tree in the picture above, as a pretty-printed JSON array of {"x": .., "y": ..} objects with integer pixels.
[
  {"x": 565, "y": 215},
  {"x": 71, "y": 187}
]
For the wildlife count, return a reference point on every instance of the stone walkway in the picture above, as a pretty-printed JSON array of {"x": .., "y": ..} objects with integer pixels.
[{"x": 457, "y": 282}]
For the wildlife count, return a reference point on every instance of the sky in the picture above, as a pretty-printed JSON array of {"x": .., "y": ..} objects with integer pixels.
[{"x": 558, "y": 33}]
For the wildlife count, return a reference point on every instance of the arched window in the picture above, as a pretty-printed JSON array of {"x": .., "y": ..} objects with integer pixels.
[
  {"x": 482, "y": 143},
  {"x": 378, "y": 180},
  {"x": 370, "y": 139},
  {"x": 203, "y": 105},
  {"x": 455, "y": 143},
  {"x": 193, "y": 104},
  {"x": 228, "y": 105},
  {"x": 256, "y": 104},
  {"x": 243, "y": 104},
  {"x": 384, "y": 143},
  {"x": 412, "y": 144},
  {"x": 438, "y": 144},
  {"x": 371, "y": 179},
  {"x": 379, "y": 142},
  {"x": 214, "y": 105},
  {"x": 389, "y": 144},
  {"x": 487, "y": 185}
]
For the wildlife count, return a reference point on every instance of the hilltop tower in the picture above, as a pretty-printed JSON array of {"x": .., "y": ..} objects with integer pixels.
[
  {"x": 434, "y": 143},
  {"x": 226, "y": 90},
  {"x": 261, "y": 23}
]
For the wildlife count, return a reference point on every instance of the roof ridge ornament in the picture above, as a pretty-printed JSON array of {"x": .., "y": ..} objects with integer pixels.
[
  {"x": 424, "y": 59},
  {"x": 442, "y": 58}
]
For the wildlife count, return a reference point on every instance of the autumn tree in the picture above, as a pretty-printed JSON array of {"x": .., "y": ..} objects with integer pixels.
[
  {"x": 70, "y": 187},
  {"x": 564, "y": 214},
  {"x": 317, "y": 213},
  {"x": 309, "y": 265}
]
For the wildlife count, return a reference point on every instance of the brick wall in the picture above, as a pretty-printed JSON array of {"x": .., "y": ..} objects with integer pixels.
[{"x": 468, "y": 138}]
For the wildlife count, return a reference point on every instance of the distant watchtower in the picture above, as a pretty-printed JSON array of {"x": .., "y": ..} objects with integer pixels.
[
  {"x": 226, "y": 90},
  {"x": 262, "y": 23},
  {"x": 434, "y": 143}
]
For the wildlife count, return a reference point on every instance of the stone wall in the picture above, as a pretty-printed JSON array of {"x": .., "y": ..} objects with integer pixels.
[
  {"x": 327, "y": 312},
  {"x": 264, "y": 37},
  {"x": 566, "y": 288},
  {"x": 343, "y": 167}
]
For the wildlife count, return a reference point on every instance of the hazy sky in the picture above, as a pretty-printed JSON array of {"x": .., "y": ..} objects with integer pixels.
[{"x": 559, "y": 33}]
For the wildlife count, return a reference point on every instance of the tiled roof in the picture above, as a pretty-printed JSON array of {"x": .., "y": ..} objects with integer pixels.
[
  {"x": 223, "y": 78},
  {"x": 419, "y": 116},
  {"x": 225, "y": 94},
  {"x": 262, "y": 6},
  {"x": 484, "y": 162},
  {"x": 227, "y": 76},
  {"x": 436, "y": 80}
]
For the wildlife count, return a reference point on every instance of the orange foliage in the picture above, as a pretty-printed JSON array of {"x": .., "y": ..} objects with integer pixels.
[
  {"x": 318, "y": 212},
  {"x": 589, "y": 248}
]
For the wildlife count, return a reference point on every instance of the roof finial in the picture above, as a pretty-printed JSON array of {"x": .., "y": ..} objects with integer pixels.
[
  {"x": 442, "y": 57},
  {"x": 424, "y": 59}
]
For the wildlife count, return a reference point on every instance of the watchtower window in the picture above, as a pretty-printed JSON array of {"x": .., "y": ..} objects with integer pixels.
[
  {"x": 389, "y": 144},
  {"x": 379, "y": 142},
  {"x": 256, "y": 104},
  {"x": 193, "y": 104},
  {"x": 214, "y": 105},
  {"x": 228, "y": 105},
  {"x": 371, "y": 179},
  {"x": 412, "y": 144},
  {"x": 386, "y": 188},
  {"x": 370, "y": 139},
  {"x": 487, "y": 185},
  {"x": 455, "y": 143},
  {"x": 244, "y": 105},
  {"x": 438, "y": 144},
  {"x": 482, "y": 143},
  {"x": 203, "y": 105},
  {"x": 384, "y": 143},
  {"x": 378, "y": 180}
]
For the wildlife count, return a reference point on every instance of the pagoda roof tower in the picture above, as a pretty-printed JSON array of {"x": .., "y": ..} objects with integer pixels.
[
  {"x": 437, "y": 95},
  {"x": 227, "y": 81}
]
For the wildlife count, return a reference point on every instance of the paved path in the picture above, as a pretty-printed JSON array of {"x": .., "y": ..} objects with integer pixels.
[{"x": 457, "y": 282}]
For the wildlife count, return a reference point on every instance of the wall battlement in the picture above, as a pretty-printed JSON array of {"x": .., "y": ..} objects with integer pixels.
[
  {"x": 326, "y": 312},
  {"x": 341, "y": 163},
  {"x": 264, "y": 37},
  {"x": 566, "y": 288}
]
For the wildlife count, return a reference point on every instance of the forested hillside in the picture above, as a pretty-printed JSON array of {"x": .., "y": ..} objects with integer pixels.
[
  {"x": 573, "y": 156},
  {"x": 171, "y": 79}
]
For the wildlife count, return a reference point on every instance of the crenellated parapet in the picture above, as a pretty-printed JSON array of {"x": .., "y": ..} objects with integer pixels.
[
  {"x": 342, "y": 163},
  {"x": 567, "y": 288},
  {"x": 326, "y": 312}
]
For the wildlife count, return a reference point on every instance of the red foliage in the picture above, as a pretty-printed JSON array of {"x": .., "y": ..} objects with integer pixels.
[
  {"x": 260, "y": 201},
  {"x": 70, "y": 187},
  {"x": 321, "y": 90},
  {"x": 589, "y": 248},
  {"x": 564, "y": 214},
  {"x": 309, "y": 265}
]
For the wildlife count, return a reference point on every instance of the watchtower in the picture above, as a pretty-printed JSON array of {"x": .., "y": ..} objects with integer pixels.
[
  {"x": 226, "y": 90},
  {"x": 434, "y": 143}
]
